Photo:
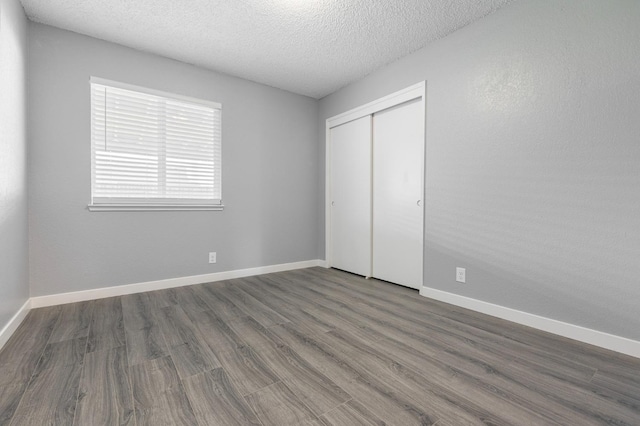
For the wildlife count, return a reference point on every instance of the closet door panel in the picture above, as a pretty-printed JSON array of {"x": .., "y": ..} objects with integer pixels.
[
  {"x": 351, "y": 196},
  {"x": 398, "y": 157}
]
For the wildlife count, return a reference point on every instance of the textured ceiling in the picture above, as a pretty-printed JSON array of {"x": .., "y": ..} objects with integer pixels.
[{"x": 310, "y": 47}]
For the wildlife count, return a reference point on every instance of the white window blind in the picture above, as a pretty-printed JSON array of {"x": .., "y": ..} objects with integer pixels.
[{"x": 150, "y": 148}]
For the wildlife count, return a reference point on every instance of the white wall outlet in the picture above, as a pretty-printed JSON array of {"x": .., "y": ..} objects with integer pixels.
[
  {"x": 212, "y": 257},
  {"x": 461, "y": 275}
]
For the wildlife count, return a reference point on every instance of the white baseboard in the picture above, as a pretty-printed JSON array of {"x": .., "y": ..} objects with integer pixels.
[
  {"x": 575, "y": 332},
  {"x": 100, "y": 293},
  {"x": 14, "y": 322},
  {"x": 571, "y": 331}
]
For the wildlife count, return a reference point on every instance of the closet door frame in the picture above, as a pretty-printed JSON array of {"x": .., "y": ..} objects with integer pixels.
[{"x": 417, "y": 91}]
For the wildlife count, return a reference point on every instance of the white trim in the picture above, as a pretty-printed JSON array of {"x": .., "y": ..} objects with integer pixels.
[
  {"x": 328, "y": 255},
  {"x": 151, "y": 207},
  {"x": 396, "y": 98},
  {"x": 126, "y": 86},
  {"x": 14, "y": 322},
  {"x": 571, "y": 331},
  {"x": 120, "y": 290}
]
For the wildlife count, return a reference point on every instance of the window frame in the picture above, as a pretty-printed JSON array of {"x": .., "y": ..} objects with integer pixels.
[{"x": 149, "y": 204}]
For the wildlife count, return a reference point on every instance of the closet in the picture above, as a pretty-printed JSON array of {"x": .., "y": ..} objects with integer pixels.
[{"x": 375, "y": 188}]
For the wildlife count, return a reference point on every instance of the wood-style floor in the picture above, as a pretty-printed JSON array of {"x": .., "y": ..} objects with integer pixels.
[{"x": 307, "y": 347}]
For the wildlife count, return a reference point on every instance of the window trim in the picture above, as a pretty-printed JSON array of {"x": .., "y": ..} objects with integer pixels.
[
  {"x": 125, "y": 86},
  {"x": 113, "y": 207},
  {"x": 98, "y": 204}
]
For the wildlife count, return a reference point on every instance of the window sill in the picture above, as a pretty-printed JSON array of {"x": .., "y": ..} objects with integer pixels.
[{"x": 154, "y": 207}]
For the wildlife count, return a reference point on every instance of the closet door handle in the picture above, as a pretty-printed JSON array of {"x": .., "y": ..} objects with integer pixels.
[{"x": 419, "y": 203}]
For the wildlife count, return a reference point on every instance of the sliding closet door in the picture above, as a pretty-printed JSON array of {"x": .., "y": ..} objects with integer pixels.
[
  {"x": 398, "y": 157},
  {"x": 351, "y": 196}
]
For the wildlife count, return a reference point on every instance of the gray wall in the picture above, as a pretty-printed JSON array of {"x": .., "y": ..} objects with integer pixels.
[
  {"x": 533, "y": 158},
  {"x": 270, "y": 174},
  {"x": 14, "y": 285}
]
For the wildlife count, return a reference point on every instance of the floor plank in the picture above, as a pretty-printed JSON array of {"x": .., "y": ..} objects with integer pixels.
[
  {"x": 106, "y": 330},
  {"x": 31, "y": 337},
  {"x": 158, "y": 394},
  {"x": 163, "y": 298},
  {"x": 138, "y": 311},
  {"x": 52, "y": 393},
  {"x": 277, "y": 405},
  {"x": 216, "y": 332},
  {"x": 253, "y": 307},
  {"x": 63, "y": 353},
  {"x": 41, "y": 406},
  {"x": 314, "y": 389},
  {"x": 380, "y": 394},
  {"x": 350, "y": 413},
  {"x": 620, "y": 388},
  {"x": 193, "y": 298},
  {"x": 222, "y": 306},
  {"x": 216, "y": 401},
  {"x": 105, "y": 396},
  {"x": 278, "y": 301},
  {"x": 248, "y": 371},
  {"x": 145, "y": 345},
  {"x": 20, "y": 356},
  {"x": 189, "y": 352},
  {"x": 73, "y": 321},
  {"x": 143, "y": 336},
  {"x": 10, "y": 395}
]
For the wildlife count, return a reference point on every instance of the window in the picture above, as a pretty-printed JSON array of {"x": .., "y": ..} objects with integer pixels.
[{"x": 152, "y": 150}]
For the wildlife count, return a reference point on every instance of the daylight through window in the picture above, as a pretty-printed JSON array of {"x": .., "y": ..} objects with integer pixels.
[{"x": 153, "y": 150}]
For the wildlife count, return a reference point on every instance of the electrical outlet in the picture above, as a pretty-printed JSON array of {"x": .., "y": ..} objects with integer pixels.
[
  {"x": 212, "y": 257},
  {"x": 461, "y": 275}
]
